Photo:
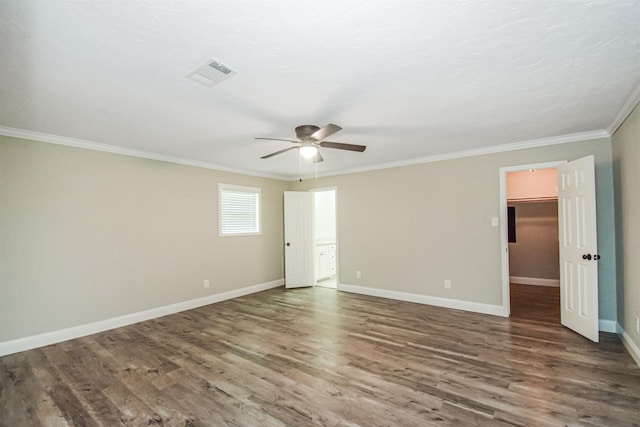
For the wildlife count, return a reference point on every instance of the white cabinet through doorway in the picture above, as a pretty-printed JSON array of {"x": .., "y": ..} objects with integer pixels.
[{"x": 325, "y": 261}]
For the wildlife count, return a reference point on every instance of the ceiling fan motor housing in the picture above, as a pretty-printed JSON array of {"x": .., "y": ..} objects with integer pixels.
[
  {"x": 305, "y": 131},
  {"x": 310, "y": 138}
]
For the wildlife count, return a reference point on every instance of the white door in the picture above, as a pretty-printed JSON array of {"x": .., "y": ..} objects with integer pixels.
[
  {"x": 298, "y": 239},
  {"x": 578, "y": 247}
]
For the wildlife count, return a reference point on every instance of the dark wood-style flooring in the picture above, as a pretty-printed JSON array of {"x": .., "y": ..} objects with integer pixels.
[
  {"x": 322, "y": 357},
  {"x": 535, "y": 303}
]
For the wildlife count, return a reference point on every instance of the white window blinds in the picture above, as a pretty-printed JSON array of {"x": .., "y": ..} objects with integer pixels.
[{"x": 239, "y": 210}]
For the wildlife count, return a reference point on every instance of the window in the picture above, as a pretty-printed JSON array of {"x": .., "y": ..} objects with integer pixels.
[{"x": 239, "y": 210}]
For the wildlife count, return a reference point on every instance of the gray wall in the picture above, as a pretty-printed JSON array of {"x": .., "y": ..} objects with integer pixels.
[
  {"x": 410, "y": 228},
  {"x": 626, "y": 155},
  {"x": 88, "y": 236},
  {"x": 536, "y": 250}
]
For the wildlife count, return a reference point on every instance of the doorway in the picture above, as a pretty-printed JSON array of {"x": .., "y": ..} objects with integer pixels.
[
  {"x": 325, "y": 237},
  {"x": 531, "y": 264},
  {"x": 534, "y": 260},
  {"x": 578, "y": 243}
]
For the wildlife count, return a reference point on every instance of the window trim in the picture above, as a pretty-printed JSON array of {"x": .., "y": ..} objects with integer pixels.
[{"x": 244, "y": 189}]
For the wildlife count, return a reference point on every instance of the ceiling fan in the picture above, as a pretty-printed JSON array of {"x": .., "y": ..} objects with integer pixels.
[{"x": 310, "y": 138}]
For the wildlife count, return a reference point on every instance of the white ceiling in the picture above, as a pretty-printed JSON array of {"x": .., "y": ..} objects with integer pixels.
[{"x": 407, "y": 79}]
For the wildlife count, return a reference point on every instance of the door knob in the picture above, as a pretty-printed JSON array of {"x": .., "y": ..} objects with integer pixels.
[
  {"x": 596, "y": 257},
  {"x": 288, "y": 244},
  {"x": 586, "y": 256}
]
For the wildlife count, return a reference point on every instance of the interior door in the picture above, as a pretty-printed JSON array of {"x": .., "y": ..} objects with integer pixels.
[
  {"x": 578, "y": 247},
  {"x": 298, "y": 239}
]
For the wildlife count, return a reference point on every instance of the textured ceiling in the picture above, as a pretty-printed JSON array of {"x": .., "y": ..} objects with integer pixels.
[{"x": 407, "y": 79}]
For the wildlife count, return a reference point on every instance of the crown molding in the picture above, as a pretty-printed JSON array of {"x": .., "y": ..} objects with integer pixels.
[
  {"x": 534, "y": 143},
  {"x": 115, "y": 149},
  {"x": 632, "y": 101}
]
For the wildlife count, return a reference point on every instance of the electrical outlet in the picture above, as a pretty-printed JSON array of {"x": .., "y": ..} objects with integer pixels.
[
  {"x": 447, "y": 284},
  {"x": 206, "y": 283},
  {"x": 358, "y": 274}
]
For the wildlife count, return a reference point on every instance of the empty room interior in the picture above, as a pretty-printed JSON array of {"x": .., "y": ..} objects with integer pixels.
[{"x": 274, "y": 213}]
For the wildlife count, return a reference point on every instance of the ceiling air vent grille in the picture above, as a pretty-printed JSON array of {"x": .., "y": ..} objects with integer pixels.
[{"x": 211, "y": 73}]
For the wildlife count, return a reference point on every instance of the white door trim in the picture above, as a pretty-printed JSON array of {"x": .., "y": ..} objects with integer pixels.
[{"x": 504, "y": 232}]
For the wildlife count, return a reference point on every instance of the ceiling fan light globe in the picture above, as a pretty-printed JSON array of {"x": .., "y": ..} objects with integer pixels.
[{"x": 308, "y": 152}]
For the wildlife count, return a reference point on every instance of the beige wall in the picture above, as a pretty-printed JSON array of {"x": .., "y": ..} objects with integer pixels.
[
  {"x": 626, "y": 157},
  {"x": 87, "y": 236},
  {"x": 535, "y": 254},
  {"x": 410, "y": 228}
]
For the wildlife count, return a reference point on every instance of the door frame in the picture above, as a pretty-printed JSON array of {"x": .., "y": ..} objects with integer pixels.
[
  {"x": 504, "y": 232},
  {"x": 335, "y": 190}
]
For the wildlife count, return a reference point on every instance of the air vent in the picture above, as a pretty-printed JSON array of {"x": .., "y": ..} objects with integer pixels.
[{"x": 211, "y": 73}]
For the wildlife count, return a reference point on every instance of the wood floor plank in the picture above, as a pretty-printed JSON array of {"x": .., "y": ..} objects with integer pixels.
[
  {"x": 535, "y": 303},
  {"x": 317, "y": 356}
]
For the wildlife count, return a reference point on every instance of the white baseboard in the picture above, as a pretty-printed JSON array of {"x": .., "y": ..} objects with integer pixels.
[
  {"x": 41, "y": 340},
  {"x": 535, "y": 281},
  {"x": 476, "y": 307},
  {"x": 631, "y": 347}
]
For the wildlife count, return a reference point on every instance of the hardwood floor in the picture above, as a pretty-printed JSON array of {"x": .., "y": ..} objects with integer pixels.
[
  {"x": 535, "y": 303},
  {"x": 321, "y": 357}
]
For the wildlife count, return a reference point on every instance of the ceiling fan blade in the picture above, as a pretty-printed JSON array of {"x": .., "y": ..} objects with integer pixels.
[
  {"x": 318, "y": 158},
  {"x": 342, "y": 146},
  {"x": 295, "y": 141},
  {"x": 278, "y": 152},
  {"x": 325, "y": 131}
]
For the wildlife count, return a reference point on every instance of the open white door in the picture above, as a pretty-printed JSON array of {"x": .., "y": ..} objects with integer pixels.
[
  {"x": 578, "y": 247},
  {"x": 298, "y": 239}
]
